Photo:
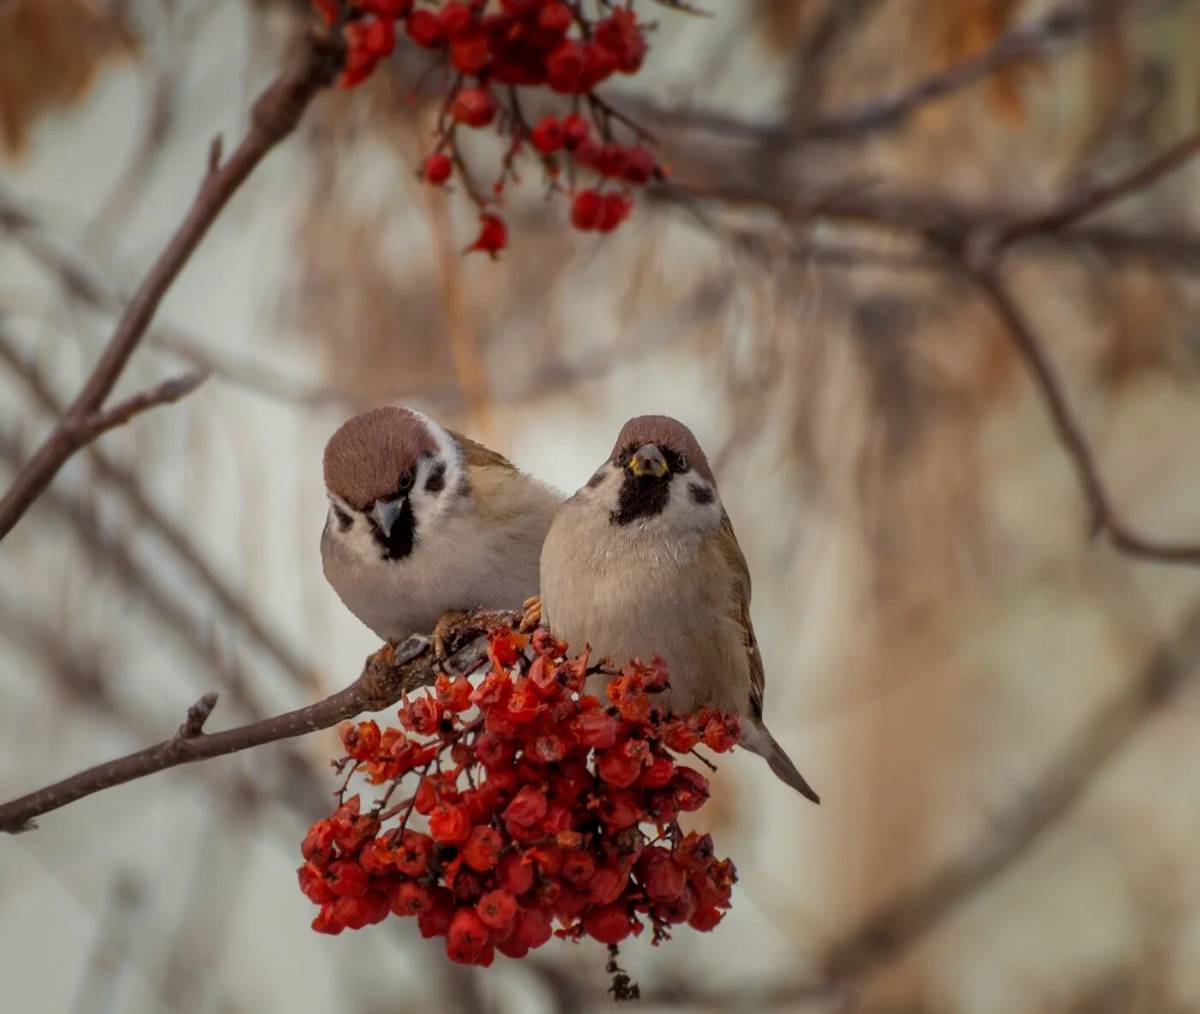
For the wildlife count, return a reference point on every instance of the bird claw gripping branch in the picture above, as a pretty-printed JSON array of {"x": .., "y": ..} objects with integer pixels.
[
  {"x": 489, "y": 50},
  {"x": 532, "y": 804}
]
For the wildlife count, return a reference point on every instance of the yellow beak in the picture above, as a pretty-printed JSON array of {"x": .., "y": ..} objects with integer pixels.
[{"x": 648, "y": 460}]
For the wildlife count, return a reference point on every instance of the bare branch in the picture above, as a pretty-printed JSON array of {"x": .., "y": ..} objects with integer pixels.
[
  {"x": 1104, "y": 516},
  {"x": 973, "y": 245},
  {"x": 273, "y": 117},
  {"x": 1023, "y": 43},
  {"x": 241, "y": 610},
  {"x": 166, "y": 393},
  {"x": 1074, "y": 209},
  {"x": 386, "y": 677}
]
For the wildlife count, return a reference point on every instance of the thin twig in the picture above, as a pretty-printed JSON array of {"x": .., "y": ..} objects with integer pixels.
[
  {"x": 386, "y": 676},
  {"x": 1104, "y": 516},
  {"x": 1076, "y": 208},
  {"x": 273, "y": 117},
  {"x": 1021, "y": 44},
  {"x": 240, "y": 609},
  {"x": 167, "y": 392}
]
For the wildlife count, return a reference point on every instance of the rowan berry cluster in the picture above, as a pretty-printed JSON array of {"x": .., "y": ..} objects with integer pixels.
[
  {"x": 535, "y": 804},
  {"x": 489, "y": 49}
]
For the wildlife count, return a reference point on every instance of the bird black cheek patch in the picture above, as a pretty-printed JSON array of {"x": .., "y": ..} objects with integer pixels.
[
  {"x": 701, "y": 494},
  {"x": 640, "y": 498}
]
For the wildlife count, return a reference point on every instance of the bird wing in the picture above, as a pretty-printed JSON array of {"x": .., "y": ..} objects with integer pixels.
[
  {"x": 477, "y": 455},
  {"x": 741, "y": 613}
]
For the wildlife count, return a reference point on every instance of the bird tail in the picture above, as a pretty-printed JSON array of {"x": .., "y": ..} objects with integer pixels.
[{"x": 766, "y": 746}]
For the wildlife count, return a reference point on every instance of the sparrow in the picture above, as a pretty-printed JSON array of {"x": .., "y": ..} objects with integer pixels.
[
  {"x": 423, "y": 521},
  {"x": 643, "y": 561}
]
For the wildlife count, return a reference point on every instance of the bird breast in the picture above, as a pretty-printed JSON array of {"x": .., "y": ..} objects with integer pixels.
[{"x": 629, "y": 594}]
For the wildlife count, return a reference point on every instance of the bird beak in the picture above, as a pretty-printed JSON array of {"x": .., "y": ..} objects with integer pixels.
[
  {"x": 648, "y": 460},
  {"x": 385, "y": 513}
]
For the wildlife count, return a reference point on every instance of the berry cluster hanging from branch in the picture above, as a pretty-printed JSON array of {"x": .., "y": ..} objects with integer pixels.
[
  {"x": 532, "y": 803},
  {"x": 489, "y": 50}
]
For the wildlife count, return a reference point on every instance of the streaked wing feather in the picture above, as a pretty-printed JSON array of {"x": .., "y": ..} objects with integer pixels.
[
  {"x": 477, "y": 455},
  {"x": 741, "y": 578}
]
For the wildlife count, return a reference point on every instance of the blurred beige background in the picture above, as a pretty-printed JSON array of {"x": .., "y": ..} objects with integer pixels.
[{"x": 967, "y": 678}]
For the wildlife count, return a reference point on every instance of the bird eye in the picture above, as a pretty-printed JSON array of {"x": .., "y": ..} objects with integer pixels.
[
  {"x": 683, "y": 463},
  {"x": 623, "y": 457},
  {"x": 406, "y": 481}
]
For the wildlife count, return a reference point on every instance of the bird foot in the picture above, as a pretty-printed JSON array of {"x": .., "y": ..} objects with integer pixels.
[
  {"x": 531, "y": 614},
  {"x": 448, "y": 627}
]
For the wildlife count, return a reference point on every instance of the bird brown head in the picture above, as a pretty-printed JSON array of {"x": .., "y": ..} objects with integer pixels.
[
  {"x": 659, "y": 458},
  {"x": 675, "y": 444},
  {"x": 387, "y": 467}
]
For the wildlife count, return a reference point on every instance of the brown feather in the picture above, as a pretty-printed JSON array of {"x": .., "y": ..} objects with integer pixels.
[
  {"x": 728, "y": 543},
  {"x": 663, "y": 431},
  {"x": 476, "y": 455},
  {"x": 367, "y": 455}
]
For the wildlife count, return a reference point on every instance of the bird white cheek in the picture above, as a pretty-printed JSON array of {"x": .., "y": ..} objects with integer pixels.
[
  {"x": 357, "y": 539},
  {"x": 693, "y": 505},
  {"x": 431, "y": 507}
]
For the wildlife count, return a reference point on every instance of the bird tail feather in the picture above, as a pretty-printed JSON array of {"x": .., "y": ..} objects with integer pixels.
[{"x": 766, "y": 746}]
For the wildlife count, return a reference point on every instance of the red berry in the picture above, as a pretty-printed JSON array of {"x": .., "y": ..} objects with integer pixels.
[
  {"x": 450, "y": 825},
  {"x": 639, "y": 165},
  {"x": 482, "y": 850},
  {"x": 689, "y": 789},
  {"x": 576, "y": 130},
  {"x": 410, "y": 898},
  {"x": 555, "y": 18},
  {"x": 615, "y": 210},
  {"x": 599, "y": 64},
  {"x": 610, "y": 924},
  {"x": 566, "y": 67},
  {"x": 456, "y": 18},
  {"x": 470, "y": 53},
  {"x": 606, "y": 885},
  {"x": 313, "y": 884},
  {"x": 617, "y": 768},
  {"x": 515, "y": 873},
  {"x": 380, "y": 37},
  {"x": 586, "y": 210},
  {"x": 493, "y": 235},
  {"x": 347, "y": 880},
  {"x": 496, "y": 909},
  {"x": 467, "y": 939},
  {"x": 547, "y": 135},
  {"x": 527, "y": 808},
  {"x": 425, "y": 29},
  {"x": 474, "y": 107},
  {"x": 437, "y": 168},
  {"x": 705, "y": 919}
]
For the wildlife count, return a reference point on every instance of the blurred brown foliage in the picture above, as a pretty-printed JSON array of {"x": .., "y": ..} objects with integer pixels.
[{"x": 50, "y": 53}]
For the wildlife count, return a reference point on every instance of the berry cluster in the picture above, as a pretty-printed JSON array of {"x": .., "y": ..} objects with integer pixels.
[
  {"x": 490, "y": 49},
  {"x": 534, "y": 804}
]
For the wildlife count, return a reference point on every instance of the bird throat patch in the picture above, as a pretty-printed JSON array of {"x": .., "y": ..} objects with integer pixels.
[
  {"x": 641, "y": 497},
  {"x": 399, "y": 544}
]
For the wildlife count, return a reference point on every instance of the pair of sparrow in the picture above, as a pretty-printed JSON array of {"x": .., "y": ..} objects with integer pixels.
[{"x": 642, "y": 561}]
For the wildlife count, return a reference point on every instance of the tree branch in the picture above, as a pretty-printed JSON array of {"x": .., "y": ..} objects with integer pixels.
[
  {"x": 1104, "y": 516},
  {"x": 167, "y": 392},
  {"x": 974, "y": 246},
  {"x": 387, "y": 676},
  {"x": 125, "y": 482},
  {"x": 1022, "y": 43},
  {"x": 1074, "y": 209},
  {"x": 274, "y": 116}
]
